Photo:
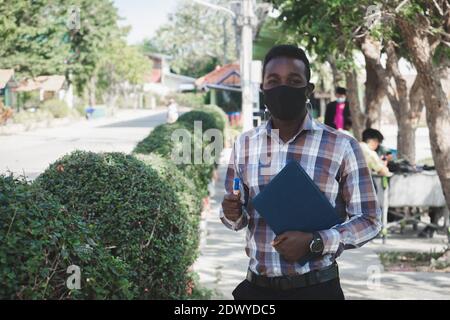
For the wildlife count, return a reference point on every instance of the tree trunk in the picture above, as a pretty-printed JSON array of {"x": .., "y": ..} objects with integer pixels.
[
  {"x": 406, "y": 139},
  {"x": 436, "y": 104},
  {"x": 373, "y": 97},
  {"x": 358, "y": 117},
  {"x": 338, "y": 76}
]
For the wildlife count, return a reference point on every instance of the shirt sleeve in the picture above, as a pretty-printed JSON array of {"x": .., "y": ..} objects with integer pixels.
[
  {"x": 364, "y": 213},
  {"x": 233, "y": 172}
]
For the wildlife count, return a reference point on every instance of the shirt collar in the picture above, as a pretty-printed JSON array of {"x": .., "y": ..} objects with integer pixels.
[{"x": 309, "y": 124}]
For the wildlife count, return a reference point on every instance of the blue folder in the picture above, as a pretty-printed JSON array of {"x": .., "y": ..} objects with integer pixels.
[{"x": 291, "y": 201}]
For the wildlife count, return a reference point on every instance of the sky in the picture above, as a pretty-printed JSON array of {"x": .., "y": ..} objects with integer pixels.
[{"x": 144, "y": 16}]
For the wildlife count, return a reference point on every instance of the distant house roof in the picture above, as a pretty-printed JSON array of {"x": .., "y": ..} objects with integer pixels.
[
  {"x": 159, "y": 56},
  {"x": 46, "y": 83},
  {"x": 227, "y": 75},
  {"x": 51, "y": 83},
  {"x": 5, "y": 76}
]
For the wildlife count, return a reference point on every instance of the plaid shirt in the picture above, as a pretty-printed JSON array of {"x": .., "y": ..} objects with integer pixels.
[{"x": 336, "y": 164}]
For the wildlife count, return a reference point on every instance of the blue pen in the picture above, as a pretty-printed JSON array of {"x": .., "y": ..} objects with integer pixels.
[{"x": 236, "y": 186}]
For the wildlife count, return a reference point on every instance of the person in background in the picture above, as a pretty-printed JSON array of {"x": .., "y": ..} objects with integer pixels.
[
  {"x": 337, "y": 113},
  {"x": 172, "y": 111},
  {"x": 372, "y": 139}
]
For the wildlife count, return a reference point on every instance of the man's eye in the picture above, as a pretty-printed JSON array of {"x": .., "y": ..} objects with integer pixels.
[
  {"x": 272, "y": 81},
  {"x": 296, "y": 82}
]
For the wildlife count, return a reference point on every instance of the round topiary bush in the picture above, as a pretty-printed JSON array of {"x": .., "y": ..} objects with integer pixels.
[
  {"x": 221, "y": 118},
  {"x": 207, "y": 119},
  {"x": 185, "y": 190},
  {"x": 135, "y": 214},
  {"x": 40, "y": 239},
  {"x": 186, "y": 194},
  {"x": 160, "y": 141}
]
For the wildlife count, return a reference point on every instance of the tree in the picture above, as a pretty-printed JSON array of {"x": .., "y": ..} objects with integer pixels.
[
  {"x": 195, "y": 37},
  {"x": 327, "y": 29},
  {"x": 32, "y": 34},
  {"x": 425, "y": 27},
  {"x": 36, "y": 38},
  {"x": 99, "y": 27},
  {"x": 335, "y": 33},
  {"x": 121, "y": 66}
]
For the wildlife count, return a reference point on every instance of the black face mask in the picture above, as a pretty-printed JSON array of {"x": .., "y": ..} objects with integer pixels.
[{"x": 285, "y": 102}]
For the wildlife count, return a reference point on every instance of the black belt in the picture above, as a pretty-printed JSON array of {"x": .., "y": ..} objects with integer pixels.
[{"x": 296, "y": 281}]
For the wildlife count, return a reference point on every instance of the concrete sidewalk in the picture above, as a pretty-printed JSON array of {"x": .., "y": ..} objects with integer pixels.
[{"x": 222, "y": 264}]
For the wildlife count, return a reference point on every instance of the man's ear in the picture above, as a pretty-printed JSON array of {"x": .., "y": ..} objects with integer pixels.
[{"x": 309, "y": 89}]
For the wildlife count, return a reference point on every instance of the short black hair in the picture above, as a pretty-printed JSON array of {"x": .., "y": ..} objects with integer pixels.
[
  {"x": 341, "y": 90},
  {"x": 372, "y": 134},
  {"x": 290, "y": 51}
]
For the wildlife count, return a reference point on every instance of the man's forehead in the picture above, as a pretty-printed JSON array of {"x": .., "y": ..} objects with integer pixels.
[{"x": 292, "y": 64}]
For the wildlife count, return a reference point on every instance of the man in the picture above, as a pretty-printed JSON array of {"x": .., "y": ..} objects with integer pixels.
[
  {"x": 335, "y": 163},
  {"x": 337, "y": 113},
  {"x": 372, "y": 140}
]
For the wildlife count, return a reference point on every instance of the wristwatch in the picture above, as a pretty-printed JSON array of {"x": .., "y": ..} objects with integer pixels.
[{"x": 316, "y": 244}]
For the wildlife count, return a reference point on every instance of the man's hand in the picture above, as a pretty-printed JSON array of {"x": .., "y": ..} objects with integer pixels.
[
  {"x": 292, "y": 245},
  {"x": 232, "y": 206}
]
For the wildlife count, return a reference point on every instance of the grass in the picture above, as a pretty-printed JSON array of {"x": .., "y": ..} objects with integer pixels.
[{"x": 413, "y": 261}]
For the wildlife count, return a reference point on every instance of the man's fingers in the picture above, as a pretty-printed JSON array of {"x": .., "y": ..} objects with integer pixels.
[
  {"x": 278, "y": 239},
  {"x": 233, "y": 214},
  {"x": 232, "y": 197},
  {"x": 231, "y": 205}
]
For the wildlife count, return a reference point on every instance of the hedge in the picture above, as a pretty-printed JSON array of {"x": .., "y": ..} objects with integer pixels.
[
  {"x": 135, "y": 212},
  {"x": 186, "y": 194},
  {"x": 40, "y": 239},
  {"x": 160, "y": 141},
  {"x": 58, "y": 108},
  {"x": 212, "y": 117}
]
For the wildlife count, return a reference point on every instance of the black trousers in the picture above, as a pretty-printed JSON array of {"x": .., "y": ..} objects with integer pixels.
[{"x": 330, "y": 290}]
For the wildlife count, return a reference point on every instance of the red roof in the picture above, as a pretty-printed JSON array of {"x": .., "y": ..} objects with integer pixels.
[{"x": 226, "y": 75}]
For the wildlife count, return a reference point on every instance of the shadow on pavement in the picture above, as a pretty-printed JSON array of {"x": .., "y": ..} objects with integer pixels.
[{"x": 146, "y": 122}]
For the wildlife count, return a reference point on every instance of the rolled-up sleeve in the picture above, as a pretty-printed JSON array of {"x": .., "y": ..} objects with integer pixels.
[
  {"x": 233, "y": 172},
  {"x": 364, "y": 213}
]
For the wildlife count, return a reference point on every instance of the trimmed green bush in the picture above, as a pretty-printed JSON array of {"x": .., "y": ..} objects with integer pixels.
[
  {"x": 207, "y": 119},
  {"x": 134, "y": 211},
  {"x": 188, "y": 99},
  {"x": 40, "y": 239},
  {"x": 160, "y": 141},
  {"x": 211, "y": 117},
  {"x": 186, "y": 194},
  {"x": 220, "y": 116},
  {"x": 185, "y": 189},
  {"x": 57, "y": 108}
]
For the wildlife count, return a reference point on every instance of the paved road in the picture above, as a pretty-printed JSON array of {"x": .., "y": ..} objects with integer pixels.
[{"x": 31, "y": 152}]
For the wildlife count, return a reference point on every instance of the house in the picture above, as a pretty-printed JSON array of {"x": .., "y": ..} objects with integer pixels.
[
  {"x": 49, "y": 87},
  {"x": 224, "y": 83},
  {"x": 7, "y": 85},
  {"x": 161, "y": 80}
]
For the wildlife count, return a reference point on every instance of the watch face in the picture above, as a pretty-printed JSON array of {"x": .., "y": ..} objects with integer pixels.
[{"x": 317, "y": 245}]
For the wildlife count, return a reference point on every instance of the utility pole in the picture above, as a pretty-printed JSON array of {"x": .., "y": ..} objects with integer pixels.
[{"x": 247, "y": 20}]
